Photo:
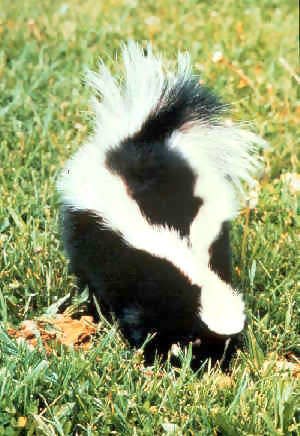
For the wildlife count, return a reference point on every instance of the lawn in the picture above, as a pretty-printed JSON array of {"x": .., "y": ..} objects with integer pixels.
[{"x": 245, "y": 50}]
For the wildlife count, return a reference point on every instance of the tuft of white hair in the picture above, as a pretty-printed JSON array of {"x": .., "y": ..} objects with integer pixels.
[{"x": 124, "y": 107}]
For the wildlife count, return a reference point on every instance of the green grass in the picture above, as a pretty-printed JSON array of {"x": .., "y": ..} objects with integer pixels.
[{"x": 45, "y": 48}]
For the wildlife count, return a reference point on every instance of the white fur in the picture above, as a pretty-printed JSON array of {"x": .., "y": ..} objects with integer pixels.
[
  {"x": 220, "y": 156},
  {"x": 123, "y": 109}
]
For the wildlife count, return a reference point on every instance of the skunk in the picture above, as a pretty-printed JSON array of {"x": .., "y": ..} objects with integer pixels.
[{"x": 146, "y": 205}]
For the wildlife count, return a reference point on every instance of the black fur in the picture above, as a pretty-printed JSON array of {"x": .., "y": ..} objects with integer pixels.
[
  {"x": 185, "y": 102},
  {"x": 160, "y": 181},
  {"x": 220, "y": 254},
  {"x": 126, "y": 278}
]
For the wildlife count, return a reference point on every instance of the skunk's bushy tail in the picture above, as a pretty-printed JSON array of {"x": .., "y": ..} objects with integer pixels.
[
  {"x": 155, "y": 104},
  {"x": 151, "y": 103}
]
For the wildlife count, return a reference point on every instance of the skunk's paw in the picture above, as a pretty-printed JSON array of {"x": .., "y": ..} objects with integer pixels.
[{"x": 222, "y": 307}]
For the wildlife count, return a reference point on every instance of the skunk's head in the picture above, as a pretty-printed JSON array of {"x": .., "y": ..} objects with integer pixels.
[
  {"x": 170, "y": 310},
  {"x": 209, "y": 317},
  {"x": 146, "y": 201}
]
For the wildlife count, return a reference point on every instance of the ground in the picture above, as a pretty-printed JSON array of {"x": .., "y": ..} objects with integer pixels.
[{"x": 245, "y": 50}]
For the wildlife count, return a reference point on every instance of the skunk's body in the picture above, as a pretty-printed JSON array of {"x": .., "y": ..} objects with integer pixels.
[{"x": 147, "y": 204}]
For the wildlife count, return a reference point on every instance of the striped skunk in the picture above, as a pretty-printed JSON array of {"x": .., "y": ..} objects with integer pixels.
[{"x": 146, "y": 206}]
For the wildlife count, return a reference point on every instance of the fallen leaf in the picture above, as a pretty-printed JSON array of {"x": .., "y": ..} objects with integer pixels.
[
  {"x": 283, "y": 365},
  {"x": 59, "y": 328},
  {"x": 22, "y": 421}
]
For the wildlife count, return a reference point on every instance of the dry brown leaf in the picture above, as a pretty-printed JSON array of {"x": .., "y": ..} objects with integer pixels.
[
  {"x": 59, "y": 328},
  {"x": 283, "y": 365}
]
